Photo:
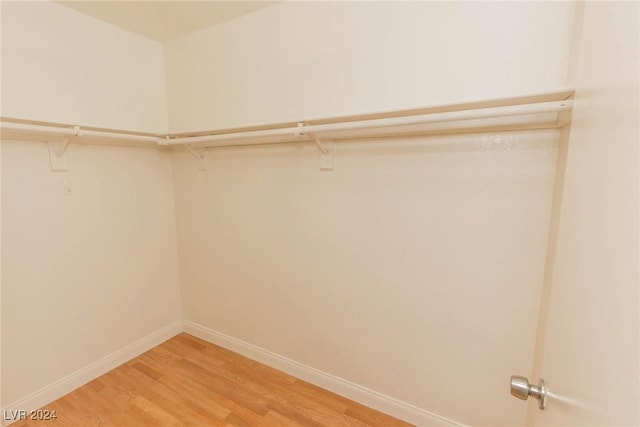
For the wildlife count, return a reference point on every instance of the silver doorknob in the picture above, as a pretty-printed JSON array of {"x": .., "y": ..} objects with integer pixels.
[{"x": 521, "y": 389}]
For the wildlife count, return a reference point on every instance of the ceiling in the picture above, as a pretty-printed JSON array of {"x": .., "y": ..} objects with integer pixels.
[{"x": 165, "y": 20}]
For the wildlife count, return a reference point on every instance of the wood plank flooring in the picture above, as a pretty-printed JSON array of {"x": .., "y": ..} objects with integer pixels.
[{"x": 186, "y": 381}]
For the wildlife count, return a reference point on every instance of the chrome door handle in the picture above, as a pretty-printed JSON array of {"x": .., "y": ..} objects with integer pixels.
[{"x": 521, "y": 389}]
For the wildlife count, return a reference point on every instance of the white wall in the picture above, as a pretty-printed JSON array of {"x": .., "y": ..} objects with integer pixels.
[
  {"x": 62, "y": 66},
  {"x": 85, "y": 275},
  {"x": 413, "y": 269},
  {"x": 385, "y": 272},
  {"x": 303, "y": 60},
  {"x": 592, "y": 352}
]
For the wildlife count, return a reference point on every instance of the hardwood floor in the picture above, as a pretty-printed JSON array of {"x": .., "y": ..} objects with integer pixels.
[{"x": 186, "y": 381}]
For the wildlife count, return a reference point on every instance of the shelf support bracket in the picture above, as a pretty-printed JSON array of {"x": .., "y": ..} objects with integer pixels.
[
  {"x": 326, "y": 148},
  {"x": 200, "y": 157},
  {"x": 323, "y": 149},
  {"x": 326, "y": 159},
  {"x": 326, "y": 154},
  {"x": 63, "y": 148},
  {"x": 57, "y": 151},
  {"x": 57, "y": 160}
]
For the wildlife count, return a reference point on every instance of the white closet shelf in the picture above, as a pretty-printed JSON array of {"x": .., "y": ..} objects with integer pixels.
[
  {"x": 28, "y": 130},
  {"x": 537, "y": 111}
]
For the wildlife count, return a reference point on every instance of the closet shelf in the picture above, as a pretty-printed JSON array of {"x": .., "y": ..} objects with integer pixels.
[
  {"x": 538, "y": 111},
  {"x": 543, "y": 115},
  {"x": 25, "y": 130}
]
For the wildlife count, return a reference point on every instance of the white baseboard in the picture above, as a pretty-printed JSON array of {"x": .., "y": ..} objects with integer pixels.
[
  {"x": 358, "y": 393},
  {"x": 69, "y": 383}
]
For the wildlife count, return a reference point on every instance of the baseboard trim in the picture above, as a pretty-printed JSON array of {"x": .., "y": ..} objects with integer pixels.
[
  {"x": 348, "y": 389},
  {"x": 71, "y": 382}
]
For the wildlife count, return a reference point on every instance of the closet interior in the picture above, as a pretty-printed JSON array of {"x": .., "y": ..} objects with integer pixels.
[{"x": 403, "y": 203}]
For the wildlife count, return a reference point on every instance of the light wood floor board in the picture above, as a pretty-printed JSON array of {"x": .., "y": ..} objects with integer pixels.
[{"x": 186, "y": 381}]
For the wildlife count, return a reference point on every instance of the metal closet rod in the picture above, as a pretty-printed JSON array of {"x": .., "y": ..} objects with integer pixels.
[
  {"x": 382, "y": 124},
  {"x": 77, "y": 131},
  {"x": 304, "y": 132}
]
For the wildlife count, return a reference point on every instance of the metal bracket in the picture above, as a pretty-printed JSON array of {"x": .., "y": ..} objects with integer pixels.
[
  {"x": 58, "y": 162},
  {"x": 326, "y": 148},
  {"x": 326, "y": 156},
  {"x": 200, "y": 157},
  {"x": 326, "y": 153},
  {"x": 320, "y": 145},
  {"x": 63, "y": 149},
  {"x": 57, "y": 151}
]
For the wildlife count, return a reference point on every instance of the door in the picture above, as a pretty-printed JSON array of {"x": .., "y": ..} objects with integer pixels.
[{"x": 590, "y": 358}]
